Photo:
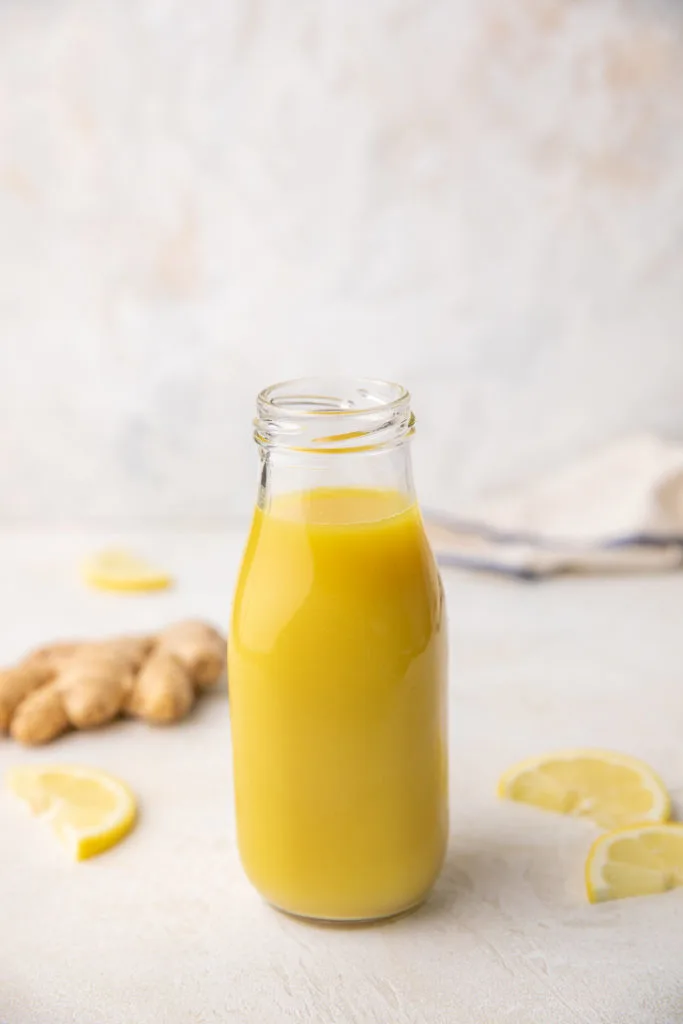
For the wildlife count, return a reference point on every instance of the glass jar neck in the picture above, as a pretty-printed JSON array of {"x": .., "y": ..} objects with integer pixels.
[{"x": 334, "y": 433}]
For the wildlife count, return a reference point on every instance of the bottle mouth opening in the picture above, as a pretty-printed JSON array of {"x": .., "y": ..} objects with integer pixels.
[{"x": 333, "y": 414}]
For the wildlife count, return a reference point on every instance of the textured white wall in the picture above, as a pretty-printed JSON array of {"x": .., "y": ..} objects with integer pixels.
[{"x": 481, "y": 198}]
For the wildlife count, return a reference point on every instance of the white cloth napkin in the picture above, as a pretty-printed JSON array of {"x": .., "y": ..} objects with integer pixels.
[{"x": 618, "y": 510}]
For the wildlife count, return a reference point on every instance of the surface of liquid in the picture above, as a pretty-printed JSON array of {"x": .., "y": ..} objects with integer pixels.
[{"x": 337, "y": 670}]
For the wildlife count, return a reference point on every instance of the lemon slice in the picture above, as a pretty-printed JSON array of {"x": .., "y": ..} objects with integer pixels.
[
  {"x": 612, "y": 790},
  {"x": 88, "y": 810},
  {"x": 635, "y": 861},
  {"x": 123, "y": 570}
]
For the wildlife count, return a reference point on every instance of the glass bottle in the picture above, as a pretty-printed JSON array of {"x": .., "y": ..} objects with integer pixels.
[{"x": 338, "y": 660}]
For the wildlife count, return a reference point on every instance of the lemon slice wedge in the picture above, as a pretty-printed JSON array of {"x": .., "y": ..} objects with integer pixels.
[
  {"x": 88, "y": 810},
  {"x": 610, "y": 789},
  {"x": 122, "y": 570},
  {"x": 635, "y": 861}
]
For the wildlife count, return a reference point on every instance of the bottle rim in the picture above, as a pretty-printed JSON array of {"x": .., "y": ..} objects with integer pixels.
[{"x": 333, "y": 414}]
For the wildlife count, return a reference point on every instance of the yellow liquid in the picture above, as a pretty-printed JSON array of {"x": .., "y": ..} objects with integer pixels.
[{"x": 337, "y": 670}]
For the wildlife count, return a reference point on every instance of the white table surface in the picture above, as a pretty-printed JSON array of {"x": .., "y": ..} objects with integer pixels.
[{"x": 165, "y": 929}]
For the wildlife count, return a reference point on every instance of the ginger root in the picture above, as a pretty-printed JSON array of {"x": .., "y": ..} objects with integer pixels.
[
  {"x": 15, "y": 686},
  {"x": 85, "y": 685},
  {"x": 198, "y": 647},
  {"x": 163, "y": 691},
  {"x": 41, "y": 717}
]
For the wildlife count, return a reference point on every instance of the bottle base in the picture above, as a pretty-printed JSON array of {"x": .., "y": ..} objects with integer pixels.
[{"x": 359, "y": 921}]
